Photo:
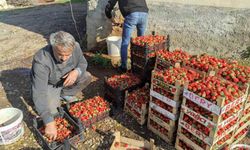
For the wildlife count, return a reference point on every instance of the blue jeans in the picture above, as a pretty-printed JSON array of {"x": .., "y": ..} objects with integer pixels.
[{"x": 135, "y": 19}]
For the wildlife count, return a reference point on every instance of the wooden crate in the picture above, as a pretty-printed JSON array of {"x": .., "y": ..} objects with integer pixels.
[
  {"x": 167, "y": 138},
  {"x": 194, "y": 146},
  {"x": 176, "y": 89},
  {"x": 210, "y": 139},
  {"x": 170, "y": 127},
  {"x": 218, "y": 109},
  {"x": 132, "y": 144},
  {"x": 142, "y": 118}
]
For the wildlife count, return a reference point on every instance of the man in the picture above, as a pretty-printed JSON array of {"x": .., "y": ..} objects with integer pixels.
[
  {"x": 58, "y": 72},
  {"x": 135, "y": 13}
]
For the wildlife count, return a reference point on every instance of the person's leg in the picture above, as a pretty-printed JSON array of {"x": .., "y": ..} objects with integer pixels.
[
  {"x": 128, "y": 26},
  {"x": 68, "y": 93},
  {"x": 142, "y": 24}
]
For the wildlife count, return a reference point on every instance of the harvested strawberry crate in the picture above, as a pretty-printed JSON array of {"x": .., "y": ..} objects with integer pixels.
[
  {"x": 123, "y": 143},
  {"x": 115, "y": 87},
  {"x": 187, "y": 135},
  {"x": 146, "y": 46},
  {"x": 158, "y": 127},
  {"x": 136, "y": 103},
  {"x": 214, "y": 116},
  {"x": 89, "y": 111},
  {"x": 166, "y": 59},
  {"x": 168, "y": 84},
  {"x": 162, "y": 119},
  {"x": 67, "y": 138}
]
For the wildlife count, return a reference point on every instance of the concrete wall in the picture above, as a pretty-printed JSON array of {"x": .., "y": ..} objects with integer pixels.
[{"x": 197, "y": 28}]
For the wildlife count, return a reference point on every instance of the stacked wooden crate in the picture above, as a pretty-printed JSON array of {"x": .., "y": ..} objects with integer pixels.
[
  {"x": 143, "y": 53},
  {"x": 136, "y": 104},
  {"x": 241, "y": 76},
  {"x": 165, "y": 99},
  {"x": 208, "y": 120}
]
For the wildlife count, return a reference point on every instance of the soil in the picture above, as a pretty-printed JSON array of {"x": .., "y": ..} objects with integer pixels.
[{"x": 22, "y": 33}]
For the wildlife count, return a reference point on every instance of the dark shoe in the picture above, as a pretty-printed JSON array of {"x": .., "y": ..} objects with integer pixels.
[{"x": 122, "y": 69}]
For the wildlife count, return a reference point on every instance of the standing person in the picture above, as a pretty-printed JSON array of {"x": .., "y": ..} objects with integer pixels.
[
  {"x": 58, "y": 72},
  {"x": 135, "y": 13}
]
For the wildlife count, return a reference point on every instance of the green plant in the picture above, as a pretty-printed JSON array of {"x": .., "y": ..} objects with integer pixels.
[
  {"x": 98, "y": 59},
  {"x": 246, "y": 53}
]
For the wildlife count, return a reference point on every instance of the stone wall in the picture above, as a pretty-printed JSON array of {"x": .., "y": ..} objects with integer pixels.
[{"x": 223, "y": 31}]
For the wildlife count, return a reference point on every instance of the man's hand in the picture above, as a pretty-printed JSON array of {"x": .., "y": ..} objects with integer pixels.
[
  {"x": 108, "y": 11},
  {"x": 70, "y": 78},
  {"x": 51, "y": 131}
]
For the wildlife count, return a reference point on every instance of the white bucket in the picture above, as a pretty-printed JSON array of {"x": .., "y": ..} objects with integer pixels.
[
  {"x": 114, "y": 45},
  {"x": 11, "y": 127}
]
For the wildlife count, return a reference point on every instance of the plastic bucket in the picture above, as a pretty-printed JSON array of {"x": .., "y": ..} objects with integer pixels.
[
  {"x": 114, "y": 45},
  {"x": 11, "y": 127}
]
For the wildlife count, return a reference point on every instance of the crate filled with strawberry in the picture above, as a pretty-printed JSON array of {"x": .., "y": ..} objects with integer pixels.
[
  {"x": 136, "y": 103},
  {"x": 197, "y": 141},
  {"x": 69, "y": 133},
  {"x": 89, "y": 111},
  {"x": 165, "y": 59},
  {"x": 206, "y": 63},
  {"x": 116, "y": 85},
  {"x": 182, "y": 145},
  {"x": 146, "y": 46},
  {"x": 211, "y": 109},
  {"x": 143, "y": 54},
  {"x": 169, "y": 82},
  {"x": 167, "y": 135},
  {"x": 243, "y": 126}
]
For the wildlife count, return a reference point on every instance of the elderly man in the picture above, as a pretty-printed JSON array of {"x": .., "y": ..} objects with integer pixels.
[{"x": 58, "y": 72}]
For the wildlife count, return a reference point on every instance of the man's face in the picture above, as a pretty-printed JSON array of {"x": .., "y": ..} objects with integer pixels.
[{"x": 62, "y": 54}]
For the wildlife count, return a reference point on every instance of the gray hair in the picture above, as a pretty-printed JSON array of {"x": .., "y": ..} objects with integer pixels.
[{"x": 63, "y": 39}]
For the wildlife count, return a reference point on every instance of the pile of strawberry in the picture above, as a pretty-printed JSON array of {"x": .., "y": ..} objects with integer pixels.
[
  {"x": 139, "y": 97},
  {"x": 123, "y": 81},
  {"x": 206, "y": 63},
  {"x": 176, "y": 56},
  {"x": 90, "y": 108},
  {"x": 64, "y": 129},
  {"x": 213, "y": 88},
  {"x": 184, "y": 145},
  {"x": 171, "y": 75},
  {"x": 158, "y": 127},
  {"x": 162, "y": 104},
  {"x": 150, "y": 40},
  {"x": 236, "y": 73},
  {"x": 161, "y": 116},
  {"x": 193, "y": 138}
]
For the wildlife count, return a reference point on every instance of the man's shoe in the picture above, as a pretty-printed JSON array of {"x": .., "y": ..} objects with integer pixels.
[{"x": 122, "y": 69}]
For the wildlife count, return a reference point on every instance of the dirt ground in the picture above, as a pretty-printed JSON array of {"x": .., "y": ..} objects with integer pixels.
[{"x": 22, "y": 33}]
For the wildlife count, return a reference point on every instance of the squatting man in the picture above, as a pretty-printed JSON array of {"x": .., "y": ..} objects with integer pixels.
[{"x": 58, "y": 73}]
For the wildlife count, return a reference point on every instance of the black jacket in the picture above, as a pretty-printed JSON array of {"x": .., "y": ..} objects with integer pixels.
[{"x": 128, "y": 6}]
